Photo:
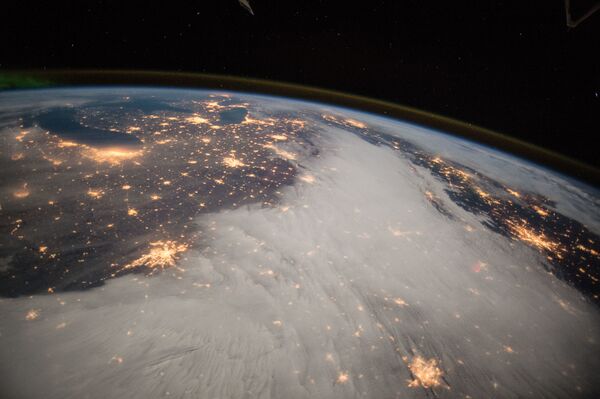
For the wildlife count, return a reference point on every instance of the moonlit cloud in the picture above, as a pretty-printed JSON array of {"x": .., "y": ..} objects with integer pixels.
[{"x": 354, "y": 285}]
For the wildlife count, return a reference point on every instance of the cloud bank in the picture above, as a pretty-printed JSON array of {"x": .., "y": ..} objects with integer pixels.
[{"x": 332, "y": 294}]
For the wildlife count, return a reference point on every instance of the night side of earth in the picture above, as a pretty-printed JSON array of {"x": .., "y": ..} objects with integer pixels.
[{"x": 201, "y": 243}]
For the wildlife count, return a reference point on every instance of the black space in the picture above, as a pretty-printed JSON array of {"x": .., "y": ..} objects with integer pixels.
[{"x": 511, "y": 66}]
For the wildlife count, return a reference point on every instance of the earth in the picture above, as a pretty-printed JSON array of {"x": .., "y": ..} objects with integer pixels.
[{"x": 211, "y": 244}]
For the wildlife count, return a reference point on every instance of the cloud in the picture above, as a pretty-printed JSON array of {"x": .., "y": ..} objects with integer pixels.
[{"x": 330, "y": 294}]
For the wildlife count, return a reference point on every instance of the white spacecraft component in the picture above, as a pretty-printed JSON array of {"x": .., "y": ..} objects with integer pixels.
[{"x": 246, "y": 5}]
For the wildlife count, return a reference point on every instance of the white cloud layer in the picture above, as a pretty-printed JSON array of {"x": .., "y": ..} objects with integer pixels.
[{"x": 327, "y": 296}]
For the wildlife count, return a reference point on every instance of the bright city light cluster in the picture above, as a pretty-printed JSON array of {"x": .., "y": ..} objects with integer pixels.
[{"x": 127, "y": 201}]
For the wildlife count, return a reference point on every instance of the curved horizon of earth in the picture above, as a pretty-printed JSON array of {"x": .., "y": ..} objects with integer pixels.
[{"x": 218, "y": 244}]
